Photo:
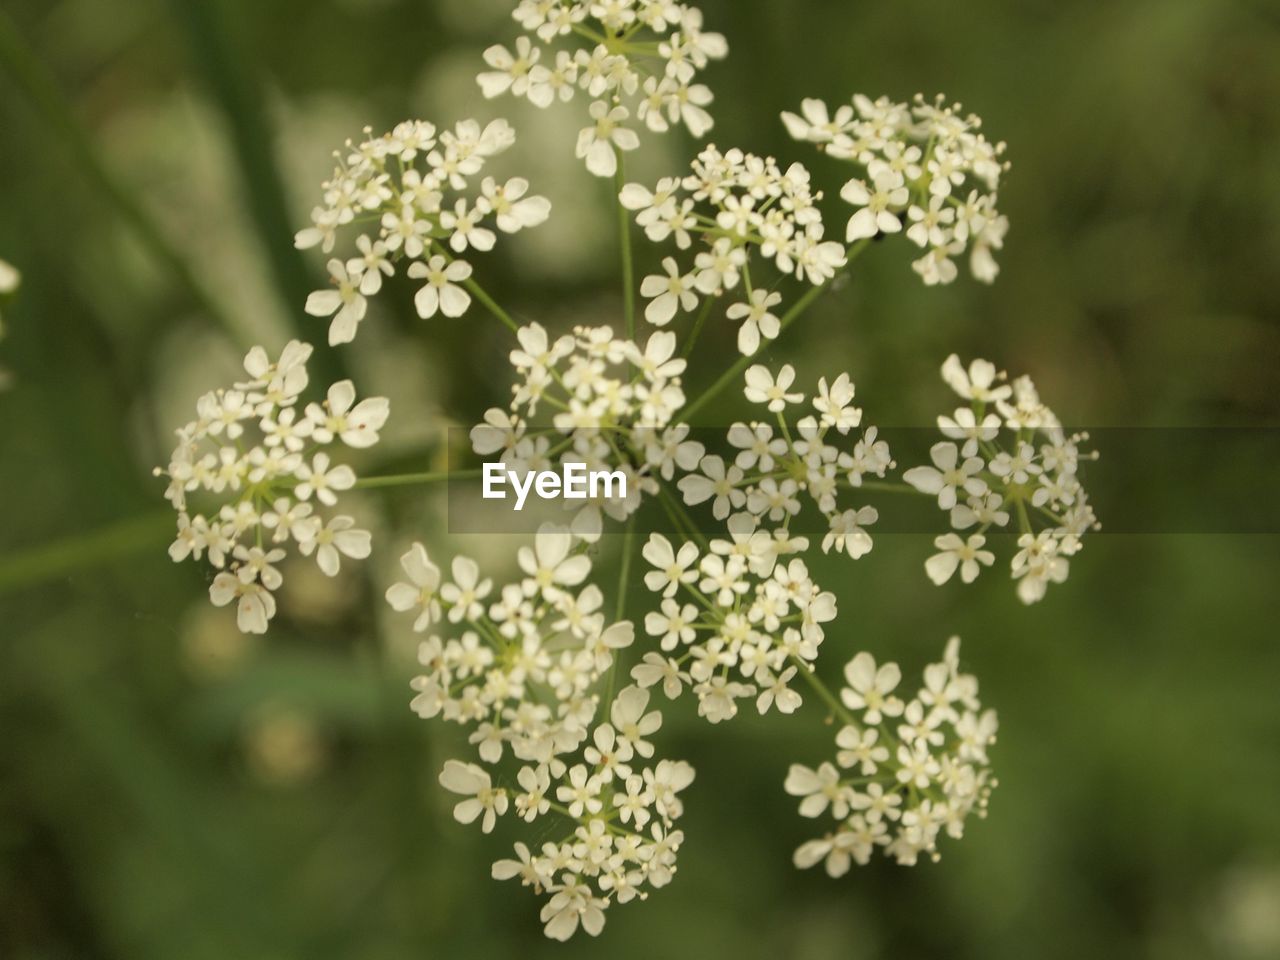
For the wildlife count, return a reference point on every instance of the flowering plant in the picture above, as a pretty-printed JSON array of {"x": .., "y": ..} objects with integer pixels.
[{"x": 536, "y": 669}]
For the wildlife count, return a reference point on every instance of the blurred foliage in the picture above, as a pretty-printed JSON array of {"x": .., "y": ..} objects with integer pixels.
[{"x": 170, "y": 790}]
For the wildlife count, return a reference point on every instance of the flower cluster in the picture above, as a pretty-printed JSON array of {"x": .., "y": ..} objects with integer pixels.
[
  {"x": 923, "y": 168},
  {"x": 618, "y": 807},
  {"x": 260, "y": 456},
  {"x": 636, "y": 60},
  {"x": 417, "y": 185},
  {"x": 774, "y": 468},
  {"x": 530, "y": 653},
  {"x": 612, "y": 406},
  {"x": 736, "y": 620},
  {"x": 978, "y": 480},
  {"x": 736, "y": 203},
  {"x": 523, "y": 674},
  {"x": 904, "y": 772}
]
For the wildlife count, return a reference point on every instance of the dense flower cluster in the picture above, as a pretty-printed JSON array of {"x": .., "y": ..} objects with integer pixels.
[
  {"x": 774, "y": 469},
  {"x": 904, "y": 772},
  {"x": 523, "y": 674},
  {"x": 419, "y": 187},
  {"x": 637, "y": 61},
  {"x": 736, "y": 620},
  {"x": 530, "y": 653},
  {"x": 262, "y": 458},
  {"x": 612, "y": 404},
  {"x": 735, "y": 203},
  {"x": 924, "y": 169},
  {"x": 1005, "y": 452}
]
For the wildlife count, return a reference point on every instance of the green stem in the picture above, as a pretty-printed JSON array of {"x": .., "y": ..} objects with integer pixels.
[
  {"x": 415, "y": 479},
  {"x": 837, "y": 708},
  {"x": 881, "y": 486},
  {"x": 35, "y": 81},
  {"x": 624, "y": 237},
  {"x": 798, "y": 308},
  {"x": 697, "y": 326},
  {"x": 60, "y": 558},
  {"x": 479, "y": 293},
  {"x": 624, "y": 573}
]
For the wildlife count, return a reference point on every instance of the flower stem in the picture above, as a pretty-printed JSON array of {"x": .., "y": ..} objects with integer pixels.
[
  {"x": 479, "y": 293},
  {"x": 35, "y": 80},
  {"x": 838, "y": 709},
  {"x": 415, "y": 479},
  {"x": 56, "y": 560},
  {"x": 624, "y": 237},
  {"x": 697, "y": 326},
  {"x": 624, "y": 572},
  {"x": 798, "y": 308}
]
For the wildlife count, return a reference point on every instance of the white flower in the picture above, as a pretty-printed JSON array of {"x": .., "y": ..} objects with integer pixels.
[
  {"x": 322, "y": 480},
  {"x": 847, "y": 532},
  {"x": 948, "y": 475},
  {"x": 714, "y": 481},
  {"x": 980, "y": 382},
  {"x": 870, "y": 689},
  {"x": 762, "y": 387},
  {"x": 668, "y": 293},
  {"x": 512, "y": 209},
  {"x": 255, "y": 606},
  {"x": 672, "y": 569},
  {"x": 833, "y": 404},
  {"x": 875, "y": 216},
  {"x": 817, "y": 125},
  {"x": 356, "y": 426},
  {"x": 820, "y": 789},
  {"x": 441, "y": 292},
  {"x": 346, "y": 304},
  {"x": 473, "y": 782},
  {"x": 336, "y": 539},
  {"x": 420, "y": 592},
  {"x": 757, "y": 320},
  {"x": 598, "y": 142},
  {"x": 466, "y": 591},
  {"x": 515, "y": 73},
  {"x": 967, "y": 555},
  {"x": 549, "y": 564}
]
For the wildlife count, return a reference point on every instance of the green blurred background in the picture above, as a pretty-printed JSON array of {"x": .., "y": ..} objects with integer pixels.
[{"x": 170, "y": 790}]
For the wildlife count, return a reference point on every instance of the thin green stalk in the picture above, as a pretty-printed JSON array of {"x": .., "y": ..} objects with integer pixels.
[
  {"x": 788, "y": 318},
  {"x": 879, "y": 486},
  {"x": 38, "y": 84},
  {"x": 697, "y": 326},
  {"x": 24, "y": 568},
  {"x": 233, "y": 86},
  {"x": 624, "y": 572},
  {"x": 838, "y": 709},
  {"x": 620, "y": 611},
  {"x": 415, "y": 479},
  {"x": 624, "y": 237},
  {"x": 479, "y": 293}
]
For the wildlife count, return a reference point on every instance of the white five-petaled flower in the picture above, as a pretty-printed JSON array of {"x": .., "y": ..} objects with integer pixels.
[
  {"x": 948, "y": 475},
  {"x": 871, "y": 689},
  {"x": 346, "y": 304},
  {"x": 419, "y": 594},
  {"x": 441, "y": 292},
  {"x": 966, "y": 555},
  {"x": 668, "y": 292},
  {"x": 472, "y": 781},
  {"x": 598, "y": 143},
  {"x": 763, "y": 387}
]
